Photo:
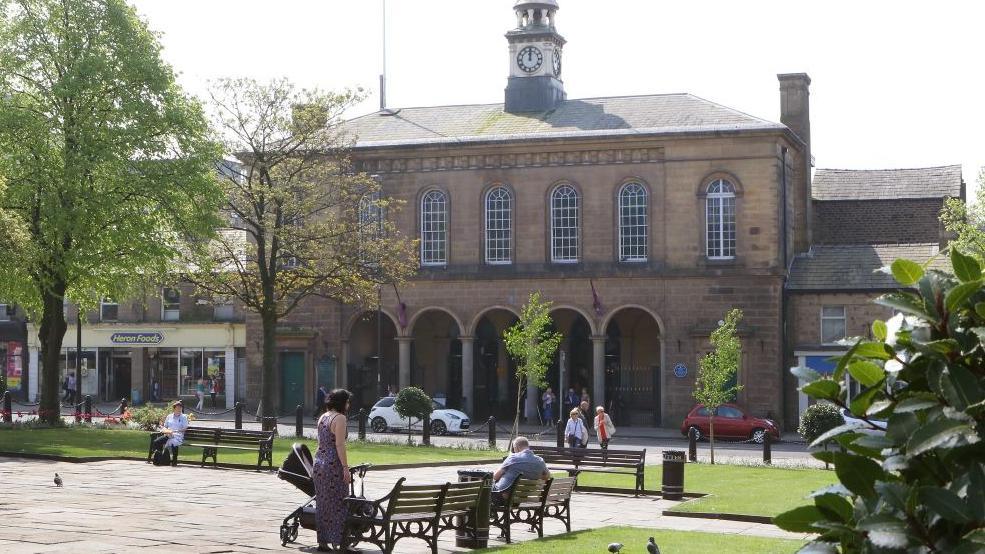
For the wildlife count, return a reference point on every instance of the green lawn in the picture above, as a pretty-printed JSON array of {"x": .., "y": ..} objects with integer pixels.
[
  {"x": 764, "y": 491},
  {"x": 634, "y": 541},
  {"x": 82, "y": 442}
]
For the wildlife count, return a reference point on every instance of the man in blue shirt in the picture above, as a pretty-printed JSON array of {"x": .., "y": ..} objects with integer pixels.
[{"x": 521, "y": 463}]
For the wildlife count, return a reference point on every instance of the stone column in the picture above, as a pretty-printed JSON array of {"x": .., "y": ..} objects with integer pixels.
[
  {"x": 342, "y": 371},
  {"x": 229, "y": 377},
  {"x": 32, "y": 375},
  {"x": 468, "y": 372},
  {"x": 598, "y": 371},
  {"x": 403, "y": 344}
]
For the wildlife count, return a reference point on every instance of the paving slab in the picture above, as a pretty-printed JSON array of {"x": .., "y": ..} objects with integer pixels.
[{"x": 119, "y": 506}]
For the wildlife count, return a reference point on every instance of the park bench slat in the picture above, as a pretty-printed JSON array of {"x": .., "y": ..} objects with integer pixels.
[
  {"x": 577, "y": 460},
  {"x": 211, "y": 439}
]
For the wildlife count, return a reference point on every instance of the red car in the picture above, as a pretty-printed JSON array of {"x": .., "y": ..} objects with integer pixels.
[{"x": 731, "y": 422}]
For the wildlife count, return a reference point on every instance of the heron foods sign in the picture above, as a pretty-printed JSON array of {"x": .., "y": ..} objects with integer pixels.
[{"x": 137, "y": 339}]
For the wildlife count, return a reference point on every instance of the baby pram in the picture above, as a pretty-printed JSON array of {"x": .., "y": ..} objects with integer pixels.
[{"x": 297, "y": 470}]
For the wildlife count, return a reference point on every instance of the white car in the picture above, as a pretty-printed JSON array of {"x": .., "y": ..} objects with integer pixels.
[
  {"x": 384, "y": 417},
  {"x": 864, "y": 426}
]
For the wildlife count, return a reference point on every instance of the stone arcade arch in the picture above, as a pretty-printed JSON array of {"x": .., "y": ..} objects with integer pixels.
[
  {"x": 436, "y": 355},
  {"x": 633, "y": 362},
  {"x": 372, "y": 358},
  {"x": 494, "y": 385}
]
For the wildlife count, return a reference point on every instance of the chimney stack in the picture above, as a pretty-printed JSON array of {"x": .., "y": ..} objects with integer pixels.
[{"x": 795, "y": 113}]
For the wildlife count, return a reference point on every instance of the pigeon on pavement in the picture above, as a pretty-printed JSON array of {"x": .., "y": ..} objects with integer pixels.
[
  {"x": 615, "y": 546},
  {"x": 651, "y": 547},
  {"x": 58, "y": 480}
]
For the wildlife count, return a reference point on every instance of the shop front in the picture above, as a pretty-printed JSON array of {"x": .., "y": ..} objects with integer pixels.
[{"x": 152, "y": 363}]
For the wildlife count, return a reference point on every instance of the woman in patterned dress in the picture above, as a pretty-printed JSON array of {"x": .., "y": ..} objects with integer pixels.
[{"x": 331, "y": 471}]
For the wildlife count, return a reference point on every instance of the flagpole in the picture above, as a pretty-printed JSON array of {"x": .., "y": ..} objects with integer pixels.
[{"x": 383, "y": 75}]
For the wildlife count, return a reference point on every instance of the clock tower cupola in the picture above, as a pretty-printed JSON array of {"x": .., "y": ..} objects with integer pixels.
[{"x": 535, "y": 83}]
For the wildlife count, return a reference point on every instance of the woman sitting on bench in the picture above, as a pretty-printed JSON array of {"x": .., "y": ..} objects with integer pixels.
[{"x": 173, "y": 428}]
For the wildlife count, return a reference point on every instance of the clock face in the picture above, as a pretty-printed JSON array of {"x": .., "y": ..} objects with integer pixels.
[
  {"x": 530, "y": 59},
  {"x": 557, "y": 63}
]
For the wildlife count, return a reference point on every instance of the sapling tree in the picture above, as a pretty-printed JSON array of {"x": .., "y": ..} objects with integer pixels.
[
  {"x": 413, "y": 403},
  {"x": 712, "y": 386},
  {"x": 532, "y": 342}
]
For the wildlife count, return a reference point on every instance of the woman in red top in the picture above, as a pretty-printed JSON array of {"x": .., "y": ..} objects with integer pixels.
[{"x": 603, "y": 427}]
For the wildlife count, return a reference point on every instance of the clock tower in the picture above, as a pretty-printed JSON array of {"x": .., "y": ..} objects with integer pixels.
[{"x": 535, "y": 83}]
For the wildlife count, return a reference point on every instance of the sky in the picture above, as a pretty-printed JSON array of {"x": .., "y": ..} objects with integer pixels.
[{"x": 895, "y": 84}]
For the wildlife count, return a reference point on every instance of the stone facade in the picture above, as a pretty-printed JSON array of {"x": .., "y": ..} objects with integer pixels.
[{"x": 878, "y": 221}]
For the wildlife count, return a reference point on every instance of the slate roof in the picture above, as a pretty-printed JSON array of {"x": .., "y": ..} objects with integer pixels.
[
  {"x": 879, "y": 184},
  {"x": 625, "y": 115},
  {"x": 853, "y": 267}
]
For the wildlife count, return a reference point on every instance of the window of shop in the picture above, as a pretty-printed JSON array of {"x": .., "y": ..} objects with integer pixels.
[
  {"x": 170, "y": 304},
  {"x": 109, "y": 310},
  {"x": 832, "y": 324},
  {"x": 192, "y": 370}
]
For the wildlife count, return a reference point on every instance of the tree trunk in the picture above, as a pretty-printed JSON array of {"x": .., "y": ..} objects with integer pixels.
[
  {"x": 51, "y": 334},
  {"x": 711, "y": 436},
  {"x": 516, "y": 419},
  {"x": 268, "y": 373}
]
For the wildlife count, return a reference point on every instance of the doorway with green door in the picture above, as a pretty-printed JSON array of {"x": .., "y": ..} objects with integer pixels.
[{"x": 292, "y": 381}]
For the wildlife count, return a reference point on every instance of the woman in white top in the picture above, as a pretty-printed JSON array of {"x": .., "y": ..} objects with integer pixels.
[
  {"x": 603, "y": 427},
  {"x": 575, "y": 431},
  {"x": 173, "y": 428}
]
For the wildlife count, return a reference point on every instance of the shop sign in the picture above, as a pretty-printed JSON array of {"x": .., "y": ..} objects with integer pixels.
[
  {"x": 14, "y": 365},
  {"x": 137, "y": 338}
]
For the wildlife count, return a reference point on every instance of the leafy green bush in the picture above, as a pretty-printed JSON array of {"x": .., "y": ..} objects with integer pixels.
[
  {"x": 148, "y": 417},
  {"x": 819, "y": 419},
  {"x": 920, "y": 486}
]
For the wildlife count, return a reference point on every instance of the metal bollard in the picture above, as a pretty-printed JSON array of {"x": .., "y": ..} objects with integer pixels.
[
  {"x": 87, "y": 409},
  {"x": 692, "y": 445},
  {"x": 767, "y": 448},
  {"x": 299, "y": 421},
  {"x": 560, "y": 434},
  {"x": 239, "y": 415},
  {"x": 492, "y": 431},
  {"x": 362, "y": 424},
  {"x": 427, "y": 430},
  {"x": 7, "y": 409}
]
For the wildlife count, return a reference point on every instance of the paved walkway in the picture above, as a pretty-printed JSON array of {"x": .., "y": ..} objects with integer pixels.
[{"x": 119, "y": 506}]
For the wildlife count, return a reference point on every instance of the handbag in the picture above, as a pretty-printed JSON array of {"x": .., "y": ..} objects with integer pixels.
[{"x": 162, "y": 457}]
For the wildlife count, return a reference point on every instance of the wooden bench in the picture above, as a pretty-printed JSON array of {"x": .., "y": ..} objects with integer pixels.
[
  {"x": 413, "y": 511},
  {"x": 529, "y": 501},
  {"x": 211, "y": 439},
  {"x": 577, "y": 460}
]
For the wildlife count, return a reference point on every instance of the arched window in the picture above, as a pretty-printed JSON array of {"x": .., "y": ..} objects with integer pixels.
[
  {"x": 434, "y": 228},
  {"x": 633, "y": 227},
  {"x": 720, "y": 220},
  {"x": 499, "y": 226},
  {"x": 565, "y": 225},
  {"x": 371, "y": 215}
]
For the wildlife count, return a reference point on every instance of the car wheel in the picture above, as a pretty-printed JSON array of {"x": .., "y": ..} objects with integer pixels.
[
  {"x": 379, "y": 425},
  {"x": 758, "y": 436},
  {"x": 697, "y": 432},
  {"x": 438, "y": 427}
]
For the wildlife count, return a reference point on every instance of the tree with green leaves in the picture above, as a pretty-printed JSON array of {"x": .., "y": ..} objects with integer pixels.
[
  {"x": 717, "y": 370},
  {"x": 967, "y": 221},
  {"x": 411, "y": 403},
  {"x": 919, "y": 485},
  {"x": 304, "y": 223},
  {"x": 109, "y": 166},
  {"x": 532, "y": 342}
]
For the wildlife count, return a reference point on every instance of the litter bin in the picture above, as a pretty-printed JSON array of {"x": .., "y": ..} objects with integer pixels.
[
  {"x": 481, "y": 540},
  {"x": 673, "y": 469}
]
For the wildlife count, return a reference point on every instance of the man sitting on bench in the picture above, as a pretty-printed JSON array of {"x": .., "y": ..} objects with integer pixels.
[{"x": 521, "y": 463}]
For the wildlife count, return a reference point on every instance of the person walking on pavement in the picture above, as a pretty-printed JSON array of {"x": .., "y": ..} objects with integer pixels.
[
  {"x": 200, "y": 393},
  {"x": 570, "y": 399},
  {"x": 583, "y": 414},
  {"x": 574, "y": 431},
  {"x": 603, "y": 427},
  {"x": 548, "y": 401},
  {"x": 71, "y": 388},
  {"x": 213, "y": 390}
]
